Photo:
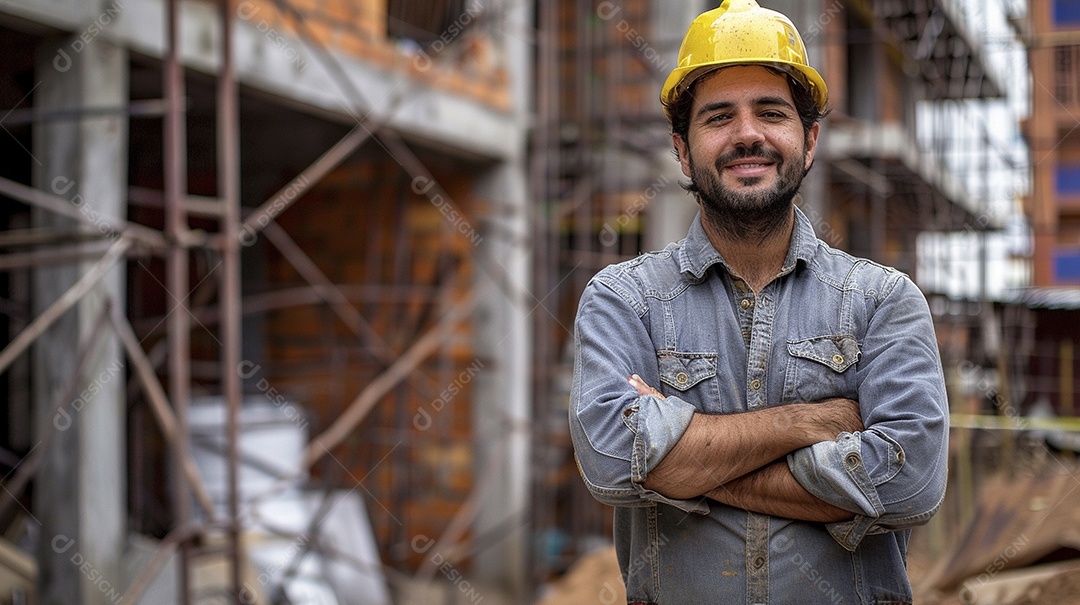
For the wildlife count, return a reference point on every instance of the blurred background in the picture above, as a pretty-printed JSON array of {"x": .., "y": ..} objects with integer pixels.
[{"x": 288, "y": 286}]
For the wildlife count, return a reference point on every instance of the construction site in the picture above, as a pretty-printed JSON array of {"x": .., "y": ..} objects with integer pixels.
[{"x": 288, "y": 286}]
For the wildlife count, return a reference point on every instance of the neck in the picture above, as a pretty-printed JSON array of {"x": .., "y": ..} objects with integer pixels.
[{"x": 755, "y": 255}]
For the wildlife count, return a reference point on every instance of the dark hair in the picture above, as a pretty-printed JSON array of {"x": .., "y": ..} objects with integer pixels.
[{"x": 679, "y": 110}]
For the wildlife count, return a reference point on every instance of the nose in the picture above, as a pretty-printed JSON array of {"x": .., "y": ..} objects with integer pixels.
[{"x": 747, "y": 131}]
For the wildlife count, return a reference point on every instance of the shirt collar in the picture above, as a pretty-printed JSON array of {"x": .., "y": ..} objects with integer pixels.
[{"x": 697, "y": 254}]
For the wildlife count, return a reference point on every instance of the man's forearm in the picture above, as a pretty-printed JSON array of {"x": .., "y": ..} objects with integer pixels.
[
  {"x": 716, "y": 449},
  {"x": 773, "y": 490}
]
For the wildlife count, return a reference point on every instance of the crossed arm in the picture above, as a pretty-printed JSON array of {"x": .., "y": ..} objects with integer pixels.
[{"x": 746, "y": 468}]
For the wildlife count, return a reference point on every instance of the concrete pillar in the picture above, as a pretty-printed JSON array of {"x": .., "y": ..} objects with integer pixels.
[
  {"x": 670, "y": 214},
  {"x": 79, "y": 494},
  {"x": 502, "y": 409}
]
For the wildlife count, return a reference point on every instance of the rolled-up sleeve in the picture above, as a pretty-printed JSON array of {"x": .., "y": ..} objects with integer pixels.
[
  {"x": 618, "y": 435},
  {"x": 893, "y": 473}
]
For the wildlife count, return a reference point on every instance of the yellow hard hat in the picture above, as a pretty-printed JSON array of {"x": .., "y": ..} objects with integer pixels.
[{"x": 740, "y": 32}]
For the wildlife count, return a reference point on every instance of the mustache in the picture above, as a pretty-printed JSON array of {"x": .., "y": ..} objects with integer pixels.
[{"x": 756, "y": 151}]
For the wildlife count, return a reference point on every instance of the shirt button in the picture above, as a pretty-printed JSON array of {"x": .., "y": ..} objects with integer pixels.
[
  {"x": 746, "y": 304},
  {"x": 682, "y": 378},
  {"x": 852, "y": 459},
  {"x": 755, "y": 384},
  {"x": 759, "y": 562},
  {"x": 838, "y": 359}
]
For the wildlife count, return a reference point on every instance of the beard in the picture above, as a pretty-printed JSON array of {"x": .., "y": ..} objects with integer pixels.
[{"x": 751, "y": 216}]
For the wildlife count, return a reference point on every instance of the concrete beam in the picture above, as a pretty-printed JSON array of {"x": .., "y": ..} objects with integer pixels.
[{"x": 287, "y": 67}]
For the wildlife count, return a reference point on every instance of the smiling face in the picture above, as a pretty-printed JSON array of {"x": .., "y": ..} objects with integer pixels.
[{"x": 746, "y": 151}]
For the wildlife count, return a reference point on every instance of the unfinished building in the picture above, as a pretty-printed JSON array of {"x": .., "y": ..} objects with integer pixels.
[
  {"x": 330, "y": 252},
  {"x": 295, "y": 232}
]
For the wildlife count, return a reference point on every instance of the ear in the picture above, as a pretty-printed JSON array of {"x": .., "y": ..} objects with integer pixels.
[
  {"x": 683, "y": 150},
  {"x": 811, "y": 144}
]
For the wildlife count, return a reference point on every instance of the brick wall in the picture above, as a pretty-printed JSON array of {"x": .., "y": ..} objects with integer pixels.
[
  {"x": 462, "y": 60},
  {"x": 391, "y": 250}
]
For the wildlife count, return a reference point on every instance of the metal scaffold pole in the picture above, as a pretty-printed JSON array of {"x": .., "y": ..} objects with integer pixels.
[
  {"x": 179, "y": 353},
  {"x": 229, "y": 192}
]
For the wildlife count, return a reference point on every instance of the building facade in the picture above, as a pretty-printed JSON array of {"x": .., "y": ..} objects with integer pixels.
[
  {"x": 1053, "y": 29},
  {"x": 379, "y": 301}
]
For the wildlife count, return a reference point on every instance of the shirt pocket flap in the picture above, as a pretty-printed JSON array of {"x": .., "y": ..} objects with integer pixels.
[
  {"x": 682, "y": 371},
  {"x": 837, "y": 352}
]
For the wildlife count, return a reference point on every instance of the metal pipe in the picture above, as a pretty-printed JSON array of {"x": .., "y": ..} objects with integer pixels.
[
  {"x": 149, "y": 108},
  {"x": 327, "y": 291},
  {"x": 77, "y": 210},
  {"x": 180, "y": 535},
  {"x": 61, "y": 305},
  {"x": 159, "y": 404},
  {"x": 296, "y": 188},
  {"x": 381, "y": 384},
  {"x": 42, "y": 236},
  {"x": 300, "y": 296},
  {"x": 192, "y": 204},
  {"x": 228, "y": 135},
  {"x": 546, "y": 158},
  {"x": 57, "y": 255},
  {"x": 26, "y": 468},
  {"x": 468, "y": 511},
  {"x": 179, "y": 328}
]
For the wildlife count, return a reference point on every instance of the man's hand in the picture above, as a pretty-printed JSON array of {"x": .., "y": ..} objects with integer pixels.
[
  {"x": 830, "y": 417},
  {"x": 642, "y": 388},
  {"x": 773, "y": 490}
]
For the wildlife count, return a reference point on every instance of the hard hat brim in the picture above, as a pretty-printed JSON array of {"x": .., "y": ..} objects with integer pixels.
[{"x": 682, "y": 78}]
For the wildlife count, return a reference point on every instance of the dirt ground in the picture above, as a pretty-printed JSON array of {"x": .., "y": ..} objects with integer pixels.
[{"x": 595, "y": 579}]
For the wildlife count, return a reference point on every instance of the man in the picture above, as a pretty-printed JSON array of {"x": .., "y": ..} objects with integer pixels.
[{"x": 800, "y": 426}]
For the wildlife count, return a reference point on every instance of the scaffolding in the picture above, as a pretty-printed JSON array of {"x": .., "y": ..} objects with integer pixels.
[
  {"x": 596, "y": 170},
  {"x": 429, "y": 324}
]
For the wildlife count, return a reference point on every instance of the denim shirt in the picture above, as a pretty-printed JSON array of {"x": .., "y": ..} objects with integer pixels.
[{"x": 830, "y": 325}]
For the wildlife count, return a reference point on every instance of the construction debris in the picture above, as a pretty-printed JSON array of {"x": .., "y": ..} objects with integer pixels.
[
  {"x": 1022, "y": 546},
  {"x": 18, "y": 574},
  {"x": 594, "y": 578}
]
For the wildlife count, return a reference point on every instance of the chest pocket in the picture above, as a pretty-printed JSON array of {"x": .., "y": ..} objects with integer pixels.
[
  {"x": 690, "y": 377},
  {"x": 818, "y": 368}
]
